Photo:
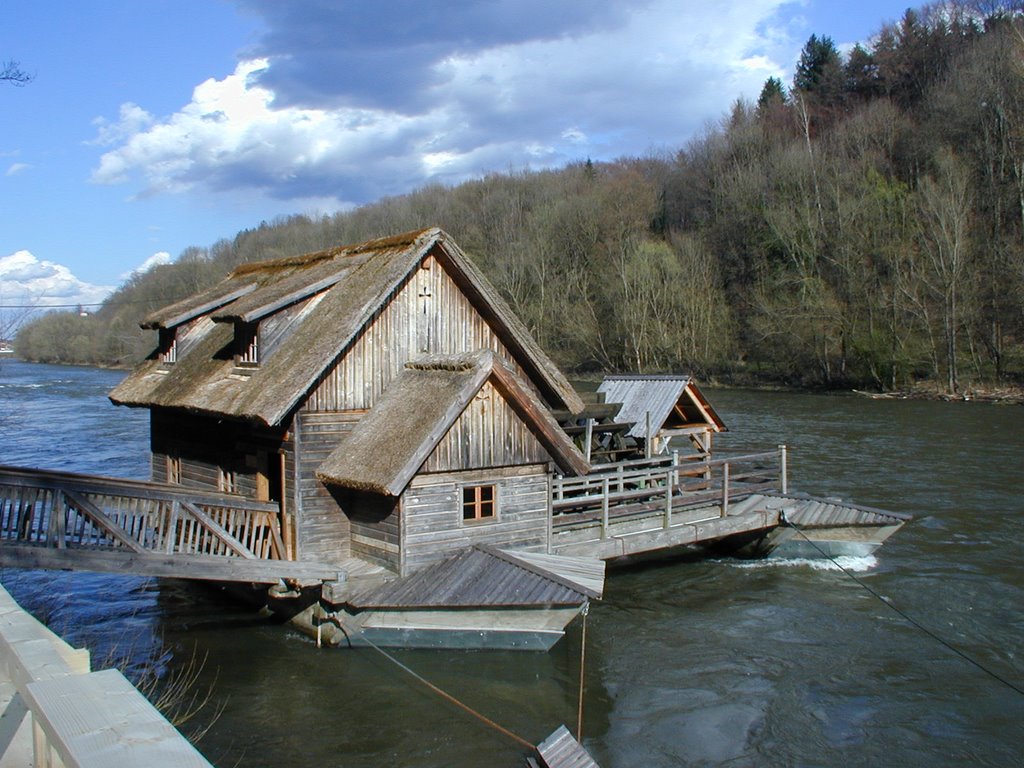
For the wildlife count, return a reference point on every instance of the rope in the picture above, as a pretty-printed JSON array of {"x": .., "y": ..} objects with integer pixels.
[
  {"x": 445, "y": 695},
  {"x": 906, "y": 617},
  {"x": 583, "y": 659}
]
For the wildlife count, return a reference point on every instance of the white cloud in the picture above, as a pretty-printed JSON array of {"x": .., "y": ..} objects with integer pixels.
[
  {"x": 26, "y": 280},
  {"x": 16, "y": 168},
  {"x": 649, "y": 75},
  {"x": 157, "y": 259}
]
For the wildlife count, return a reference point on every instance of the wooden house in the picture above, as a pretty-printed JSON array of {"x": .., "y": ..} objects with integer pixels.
[{"x": 383, "y": 394}]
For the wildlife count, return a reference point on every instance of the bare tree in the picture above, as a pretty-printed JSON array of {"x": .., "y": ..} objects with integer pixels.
[{"x": 11, "y": 72}]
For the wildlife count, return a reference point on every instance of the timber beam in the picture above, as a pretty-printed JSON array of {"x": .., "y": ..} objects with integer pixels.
[{"x": 176, "y": 566}]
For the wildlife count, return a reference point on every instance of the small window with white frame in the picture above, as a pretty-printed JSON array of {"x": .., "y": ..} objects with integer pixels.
[{"x": 479, "y": 503}]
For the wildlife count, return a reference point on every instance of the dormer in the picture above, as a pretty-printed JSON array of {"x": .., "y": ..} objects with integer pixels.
[
  {"x": 247, "y": 344},
  {"x": 167, "y": 346}
]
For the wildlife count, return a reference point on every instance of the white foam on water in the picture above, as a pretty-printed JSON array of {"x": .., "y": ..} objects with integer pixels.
[{"x": 845, "y": 562}]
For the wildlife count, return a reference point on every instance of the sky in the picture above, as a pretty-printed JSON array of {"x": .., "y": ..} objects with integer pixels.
[{"x": 150, "y": 126}]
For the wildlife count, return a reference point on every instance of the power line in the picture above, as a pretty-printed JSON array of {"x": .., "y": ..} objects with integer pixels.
[
  {"x": 78, "y": 304},
  {"x": 910, "y": 620}
]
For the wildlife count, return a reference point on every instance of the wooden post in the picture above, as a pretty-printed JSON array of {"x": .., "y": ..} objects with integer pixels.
[
  {"x": 783, "y": 469},
  {"x": 647, "y": 443},
  {"x": 669, "y": 488},
  {"x": 725, "y": 489},
  {"x": 58, "y": 515},
  {"x": 604, "y": 507},
  {"x": 287, "y": 533},
  {"x": 588, "y": 438}
]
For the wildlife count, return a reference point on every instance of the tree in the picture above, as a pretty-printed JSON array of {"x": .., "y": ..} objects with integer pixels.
[
  {"x": 945, "y": 211},
  {"x": 772, "y": 95},
  {"x": 819, "y": 72},
  {"x": 11, "y": 72}
]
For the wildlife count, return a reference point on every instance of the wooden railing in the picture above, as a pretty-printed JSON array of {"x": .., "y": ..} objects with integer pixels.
[
  {"x": 664, "y": 484},
  {"x": 64, "y": 511},
  {"x": 57, "y": 713}
]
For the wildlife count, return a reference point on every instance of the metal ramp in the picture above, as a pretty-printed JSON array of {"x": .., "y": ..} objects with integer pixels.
[{"x": 65, "y": 521}]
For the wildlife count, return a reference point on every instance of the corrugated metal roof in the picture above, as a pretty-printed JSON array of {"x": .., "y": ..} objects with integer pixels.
[
  {"x": 476, "y": 577},
  {"x": 641, "y": 395},
  {"x": 810, "y": 512}
]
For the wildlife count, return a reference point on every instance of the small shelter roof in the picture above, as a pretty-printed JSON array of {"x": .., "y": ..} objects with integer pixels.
[
  {"x": 672, "y": 401},
  {"x": 482, "y": 576},
  {"x": 351, "y": 283},
  {"x": 390, "y": 443}
]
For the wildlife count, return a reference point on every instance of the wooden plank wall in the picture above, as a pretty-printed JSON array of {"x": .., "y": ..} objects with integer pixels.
[
  {"x": 206, "y": 445},
  {"x": 489, "y": 433},
  {"x": 432, "y": 526},
  {"x": 322, "y": 529},
  {"x": 429, "y": 314},
  {"x": 376, "y": 528}
]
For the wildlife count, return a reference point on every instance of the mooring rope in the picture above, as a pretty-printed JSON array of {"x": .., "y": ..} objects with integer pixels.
[
  {"x": 583, "y": 669},
  {"x": 910, "y": 620},
  {"x": 445, "y": 695}
]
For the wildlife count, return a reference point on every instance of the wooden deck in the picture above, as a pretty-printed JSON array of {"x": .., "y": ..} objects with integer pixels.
[
  {"x": 65, "y": 521},
  {"x": 642, "y": 506}
]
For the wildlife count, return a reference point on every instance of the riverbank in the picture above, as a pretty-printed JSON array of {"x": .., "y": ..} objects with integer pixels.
[
  {"x": 970, "y": 394},
  {"x": 978, "y": 393}
]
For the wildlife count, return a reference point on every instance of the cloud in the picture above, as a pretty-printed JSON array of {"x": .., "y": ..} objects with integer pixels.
[
  {"x": 16, "y": 168},
  {"x": 157, "y": 259},
  {"x": 347, "y": 103},
  {"x": 29, "y": 281}
]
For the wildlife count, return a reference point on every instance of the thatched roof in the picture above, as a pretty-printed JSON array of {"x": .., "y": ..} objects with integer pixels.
[
  {"x": 351, "y": 283},
  {"x": 391, "y": 442}
]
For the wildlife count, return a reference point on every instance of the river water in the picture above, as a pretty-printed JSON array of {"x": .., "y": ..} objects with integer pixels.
[{"x": 702, "y": 662}]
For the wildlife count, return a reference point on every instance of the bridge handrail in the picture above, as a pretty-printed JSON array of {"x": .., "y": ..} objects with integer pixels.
[
  {"x": 62, "y": 509},
  {"x": 676, "y": 480},
  {"x": 140, "y": 489}
]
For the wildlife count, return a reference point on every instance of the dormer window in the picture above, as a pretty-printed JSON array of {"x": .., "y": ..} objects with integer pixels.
[
  {"x": 168, "y": 345},
  {"x": 247, "y": 344}
]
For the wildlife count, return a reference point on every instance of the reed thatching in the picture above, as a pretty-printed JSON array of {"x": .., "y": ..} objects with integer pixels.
[{"x": 352, "y": 283}]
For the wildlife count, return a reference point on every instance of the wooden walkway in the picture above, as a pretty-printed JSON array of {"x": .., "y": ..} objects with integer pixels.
[
  {"x": 634, "y": 507},
  {"x": 65, "y": 521}
]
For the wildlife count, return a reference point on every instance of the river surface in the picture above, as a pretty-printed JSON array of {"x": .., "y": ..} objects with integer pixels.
[{"x": 706, "y": 662}]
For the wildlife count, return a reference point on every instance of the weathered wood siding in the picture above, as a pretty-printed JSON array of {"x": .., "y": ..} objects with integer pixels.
[
  {"x": 432, "y": 527},
  {"x": 489, "y": 433},
  {"x": 428, "y": 314},
  {"x": 207, "y": 449},
  {"x": 376, "y": 528},
  {"x": 322, "y": 528}
]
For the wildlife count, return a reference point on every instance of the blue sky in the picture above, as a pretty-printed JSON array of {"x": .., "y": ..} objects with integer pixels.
[{"x": 154, "y": 125}]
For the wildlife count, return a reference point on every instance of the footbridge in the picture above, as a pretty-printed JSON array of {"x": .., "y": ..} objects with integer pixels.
[{"x": 66, "y": 521}]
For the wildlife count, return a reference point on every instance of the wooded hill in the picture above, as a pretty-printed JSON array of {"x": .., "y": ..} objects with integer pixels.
[{"x": 863, "y": 227}]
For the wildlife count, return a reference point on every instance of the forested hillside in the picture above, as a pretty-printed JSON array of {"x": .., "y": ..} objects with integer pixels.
[{"x": 862, "y": 227}]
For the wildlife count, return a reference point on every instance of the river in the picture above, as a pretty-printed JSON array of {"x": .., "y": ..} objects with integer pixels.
[{"x": 706, "y": 662}]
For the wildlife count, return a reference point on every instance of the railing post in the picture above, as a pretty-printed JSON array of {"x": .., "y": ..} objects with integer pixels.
[
  {"x": 604, "y": 507},
  {"x": 725, "y": 489},
  {"x": 669, "y": 490},
  {"x": 783, "y": 469}
]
